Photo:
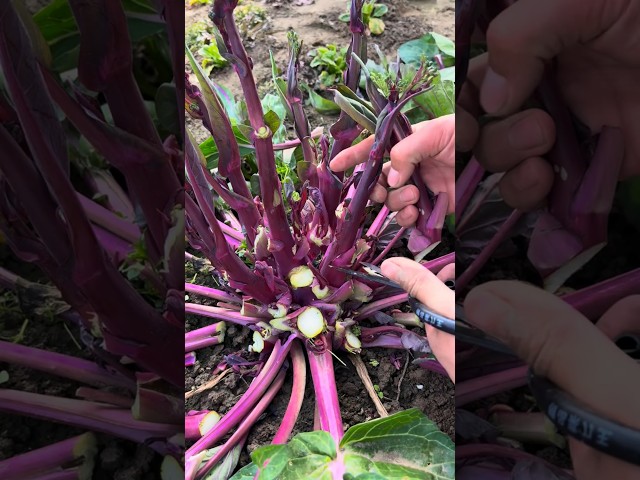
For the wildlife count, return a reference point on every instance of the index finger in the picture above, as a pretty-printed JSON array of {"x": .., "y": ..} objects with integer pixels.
[{"x": 352, "y": 156}]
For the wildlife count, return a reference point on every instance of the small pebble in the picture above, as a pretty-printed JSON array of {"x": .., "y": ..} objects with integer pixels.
[{"x": 420, "y": 387}]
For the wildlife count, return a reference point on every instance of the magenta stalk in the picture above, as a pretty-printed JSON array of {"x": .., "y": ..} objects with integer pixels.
[
  {"x": 389, "y": 246},
  {"x": 189, "y": 359},
  {"x": 240, "y": 410},
  {"x": 61, "y": 365},
  {"x": 97, "y": 417},
  {"x": 204, "y": 332},
  {"x": 245, "y": 425},
  {"x": 199, "y": 343},
  {"x": 485, "y": 386},
  {"x": 595, "y": 300},
  {"x": 374, "y": 307},
  {"x": 484, "y": 256},
  {"x": 297, "y": 395},
  {"x": 324, "y": 384},
  {"x": 211, "y": 293},
  {"x": 41, "y": 461},
  {"x": 220, "y": 314}
]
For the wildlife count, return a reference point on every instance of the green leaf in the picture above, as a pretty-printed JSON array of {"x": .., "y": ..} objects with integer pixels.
[
  {"x": 228, "y": 464},
  {"x": 448, "y": 74},
  {"x": 379, "y": 10},
  {"x": 404, "y": 445},
  {"x": 376, "y": 25},
  {"x": 344, "y": 17},
  {"x": 247, "y": 472},
  {"x": 367, "y": 9},
  {"x": 4, "y": 376},
  {"x": 445, "y": 44},
  {"x": 356, "y": 111},
  {"x": 281, "y": 86},
  {"x": 427, "y": 46},
  {"x": 272, "y": 121},
  {"x": 321, "y": 104},
  {"x": 254, "y": 185},
  {"x": 439, "y": 100}
]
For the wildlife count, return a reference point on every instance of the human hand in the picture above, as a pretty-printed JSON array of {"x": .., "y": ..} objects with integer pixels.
[
  {"x": 565, "y": 347},
  {"x": 597, "y": 48},
  {"x": 429, "y": 289},
  {"x": 431, "y": 147}
]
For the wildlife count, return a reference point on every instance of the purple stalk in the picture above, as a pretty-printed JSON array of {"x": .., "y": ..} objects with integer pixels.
[
  {"x": 97, "y": 417},
  {"x": 383, "y": 255},
  {"x": 189, "y": 359},
  {"x": 99, "y": 280},
  {"x": 204, "y": 332},
  {"x": 109, "y": 220},
  {"x": 439, "y": 263},
  {"x": 240, "y": 410},
  {"x": 105, "y": 65},
  {"x": 347, "y": 228},
  {"x": 211, "y": 293},
  {"x": 42, "y": 460},
  {"x": 387, "y": 336},
  {"x": 378, "y": 222},
  {"x": 134, "y": 158},
  {"x": 230, "y": 231},
  {"x": 270, "y": 187},
  {"x": 229, "y": 163},
  {"x": 324, "y": 384},
  {"x": 235, "y": 268},
  {"x": 373, "y": 307},
  {"x": 220, "y": 314},
  {"x": 346, "y": 130},
  {"x": 245, "y": 425},
  {"x": 297, "y": 396},
  {"x": 61, "y": 365},
  {"x": 198, "y": 343},
  {"x": 594, "y": 300},
  {"x": 466, "y": 185},
  {"x": 481, "y": 387},
  {"x": 68, "y": 474},
  {"x": 294, "y": 99},
  {"x": 431, "y": 365},
  {"x": 192, "y": 424},
  {"x": 102, "y": 396},
  {"x": 484, "y": 256}
]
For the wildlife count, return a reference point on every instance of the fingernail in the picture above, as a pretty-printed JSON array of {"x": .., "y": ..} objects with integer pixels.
[
  {"x": 393, "y": 178},
  {"x": 407, "y": 195},
  {"x": 526, "y": 134},
  {"x": 494, "y": 94}
]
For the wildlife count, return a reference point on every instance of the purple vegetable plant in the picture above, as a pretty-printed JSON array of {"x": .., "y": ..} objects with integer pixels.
[
  {"x": 284, "y": 287},
  {"x": 110, "y": 246}
]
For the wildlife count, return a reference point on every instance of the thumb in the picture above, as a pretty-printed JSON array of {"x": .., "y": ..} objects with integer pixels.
[
  {"x": 558, "y": 343},
  {"x": 529, "y": 33},
  {"x": 420, "y": 283},
  {"x": 432, "y": 138}
]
